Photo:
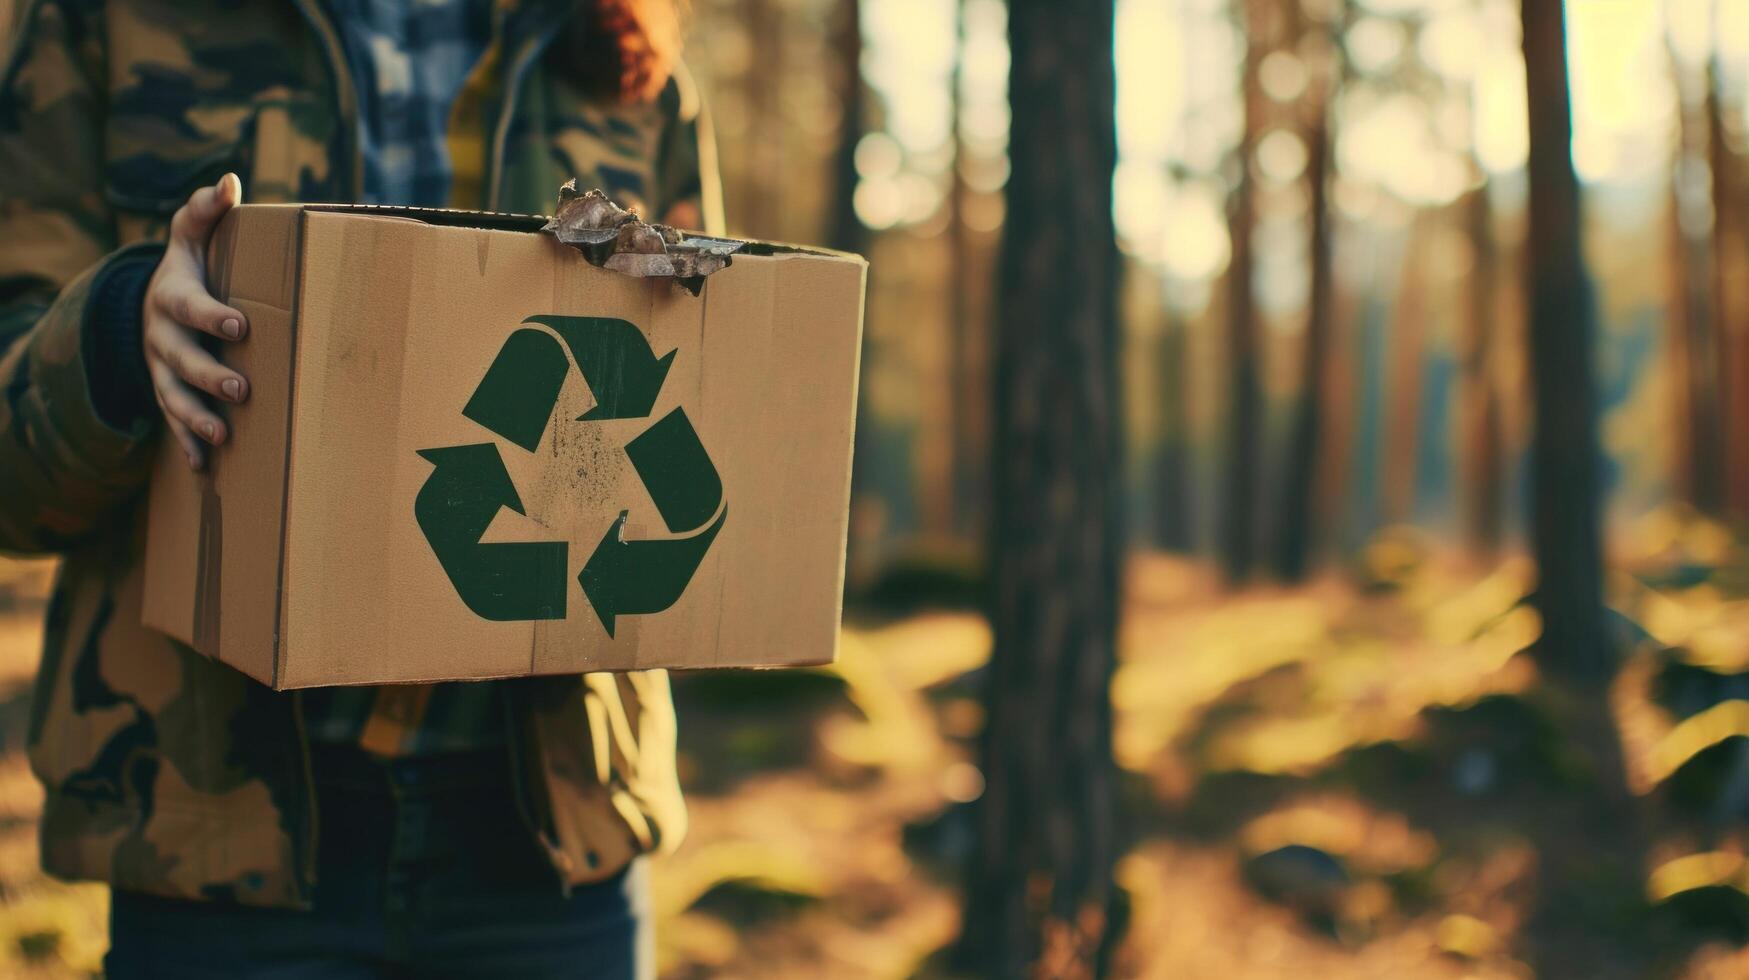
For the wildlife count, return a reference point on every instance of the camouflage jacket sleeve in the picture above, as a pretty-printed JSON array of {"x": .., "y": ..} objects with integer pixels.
[{"x": 65, "y": 467}]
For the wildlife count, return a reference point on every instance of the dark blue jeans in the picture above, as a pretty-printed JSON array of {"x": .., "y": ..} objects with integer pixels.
[{"x": 425, "y": 869}]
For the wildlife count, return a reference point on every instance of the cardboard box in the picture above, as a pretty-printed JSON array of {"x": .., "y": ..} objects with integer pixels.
[{"x": 468, "y": 453}]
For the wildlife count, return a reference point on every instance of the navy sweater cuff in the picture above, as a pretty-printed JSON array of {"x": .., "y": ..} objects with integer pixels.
[{"x": 121, "y": 389}]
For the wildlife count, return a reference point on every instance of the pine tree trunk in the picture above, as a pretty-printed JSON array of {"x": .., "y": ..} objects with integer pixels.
[
  {"x": 847, "y": 233},
  {"x": 1174, "y": 465},
  {"x": 1485, "y": 500},
  {"x": 1686, "y": 411},
  {"x": 1565, "y": 525},
  {"x": 1693, "y": 325},
  {"x": 1039, "y": 886},
  {"x": 969, "y": 462},
  {"x": 1244, "y": 415},
  {"x": 1728, "y": 305},
  {"x": 1575, "y": 652},
  {"x": 1299, "y": 485},
  {"x": 1405, "y": 366},
  {"x": 763, "y": 207}
]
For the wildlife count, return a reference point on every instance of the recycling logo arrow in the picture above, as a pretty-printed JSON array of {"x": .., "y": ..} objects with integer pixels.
[{"x": 516, "y": 401}]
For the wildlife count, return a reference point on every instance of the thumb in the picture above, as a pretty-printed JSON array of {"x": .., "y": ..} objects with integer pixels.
[{"x": 194, "y": 222}]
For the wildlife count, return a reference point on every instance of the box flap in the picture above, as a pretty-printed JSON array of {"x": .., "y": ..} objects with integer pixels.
[
  {"x": 505, "y": 221},
  {"x": 447, "y": 217}
]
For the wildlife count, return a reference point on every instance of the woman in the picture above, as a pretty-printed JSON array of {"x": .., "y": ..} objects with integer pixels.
[{"x": 488, "y": 829}]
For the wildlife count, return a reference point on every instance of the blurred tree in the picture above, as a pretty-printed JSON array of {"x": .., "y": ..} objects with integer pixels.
[
  {"x": 1730, "y": 264},
  {"x": 1175, "y": 471},
  {"x": 848, "y": 233},
  {"x": 970, "y": 461},
  {"x": 1483, "y": 495},
  {"x": 1566, "y": 536},
  {"x": 1698, "y": 352},
  {"x": 1406, "y": 353},
  {"x": 1299, "y": 485},
  {"x": 1575, "y": 652},
  {"x": 761, "y": 203},
  {"x": 1686, "y": 413},
  {"x": 1484, "y": 498},
  {"x": 1038, "y": 888},
  {"x": 1245, "y": 398}
]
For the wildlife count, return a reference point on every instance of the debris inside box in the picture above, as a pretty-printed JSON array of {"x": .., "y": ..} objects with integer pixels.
[{"x": 612, "y": 237}]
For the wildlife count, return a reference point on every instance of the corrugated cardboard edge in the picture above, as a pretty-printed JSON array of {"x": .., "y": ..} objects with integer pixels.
[
  {"x": 186, "y": 565},
  {"x": 776, "y": 253},
  {"x": 796, "y": 252},
  {"x": 291, "y": 434},
  {"x": 850, "y": 457}
]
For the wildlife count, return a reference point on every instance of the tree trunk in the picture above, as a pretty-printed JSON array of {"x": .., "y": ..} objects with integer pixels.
[
  {"x": 970, "y": 462},
  {"x": 1565, "y": 466},
  {"x": 1299, "y": 485},
  {"x": 1485, "y": 499},
  {"x": 1174, "y": 463},
  {"x": 1694, "y": 450},
  {"x": 848, "y": 233},
  {"x": 1676, "y": 345},
  {"x": 1575, "y": 652},
  {"x": 764, "y": 206},
  {"x": 1728, "y": 306},
  {"x": 1244, "y": 416},
  {"x": 1701, "y": 370},
  {"x": 1405, "y": 369},
  {"x": 1039, "y": 886}
]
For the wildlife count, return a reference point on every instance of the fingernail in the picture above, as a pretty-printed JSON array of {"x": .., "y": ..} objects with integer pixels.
[
  {"x": 206, "y": 429},
  {"x": 232, "y": 389},
  {"x": 231, "y": 328}
]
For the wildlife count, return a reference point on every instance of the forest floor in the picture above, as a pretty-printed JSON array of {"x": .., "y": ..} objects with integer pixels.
[{"x": 1358, "y": 777}]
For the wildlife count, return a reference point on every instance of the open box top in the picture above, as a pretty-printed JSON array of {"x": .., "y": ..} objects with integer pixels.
[{"x": 508, "y": 221}]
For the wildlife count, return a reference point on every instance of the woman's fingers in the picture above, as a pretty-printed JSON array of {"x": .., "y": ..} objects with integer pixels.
[
  {"x": 191, "y": 363},
  {"x": 178, "y": 304},
  {"x": 182, "y": 405},
  {"x": 187, "y": 302},
  {"x": 191, "y": 447}
]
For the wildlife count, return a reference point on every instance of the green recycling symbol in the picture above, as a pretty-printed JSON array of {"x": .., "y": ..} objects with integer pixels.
[{"x": 515, "y": 401}]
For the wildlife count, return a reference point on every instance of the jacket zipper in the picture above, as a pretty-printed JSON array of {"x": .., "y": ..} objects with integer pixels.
[{"x": 345, "y": 93}]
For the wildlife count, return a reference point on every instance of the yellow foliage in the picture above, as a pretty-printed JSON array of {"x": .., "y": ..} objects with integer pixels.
[
  {"x": 1710, "y": 869},
  {"x": 1465, "y": 935},
  {"x": 1368, "y": 841},
  {"x": 1695, "y": 734},
  {"x": 55, "y": 925},
  {"x": 713, "y": 864}
]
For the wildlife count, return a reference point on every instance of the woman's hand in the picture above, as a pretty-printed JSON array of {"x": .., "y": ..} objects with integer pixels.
[{"x": 177, "y": 308}]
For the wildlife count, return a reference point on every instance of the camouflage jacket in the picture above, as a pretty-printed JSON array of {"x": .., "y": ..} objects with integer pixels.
[{"x": 167, "y": 772}]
